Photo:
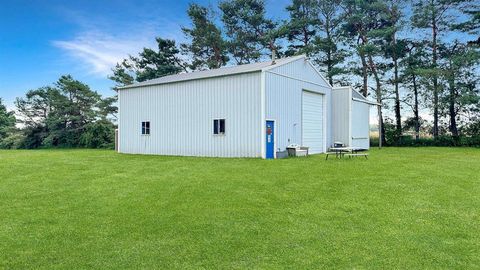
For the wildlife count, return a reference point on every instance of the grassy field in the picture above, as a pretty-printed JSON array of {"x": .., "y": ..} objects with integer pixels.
[{"x": 402, "y": 208}]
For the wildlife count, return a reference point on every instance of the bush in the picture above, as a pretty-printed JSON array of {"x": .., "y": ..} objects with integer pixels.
[
  {"x": 13, "y": 141},
  {"x": 443, "y": 140},
  {"x": 99, "y": 134}
]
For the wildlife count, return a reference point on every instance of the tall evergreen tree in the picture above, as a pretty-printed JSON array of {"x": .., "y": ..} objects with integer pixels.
[
  {"x": 434, "y": 15},
  {"x": 329, "y": 53},
  {"x": 150, "y": 64},
  {"x": 301, "y": 29},
  {"x": 472, "y": 24},
  {"x": 415, "y": 60},
  {"x": 458, "y": 62},
  {"x": 61, "y": 115},
  {"x": 364, "y": 19},
  {"x": 207, "y": 47},
  {"x": 7, "y": 121},
  {"x": 395, "y": 50},
  {"x": 123, "y": 74},
  {"x": 250, "y": 33}
]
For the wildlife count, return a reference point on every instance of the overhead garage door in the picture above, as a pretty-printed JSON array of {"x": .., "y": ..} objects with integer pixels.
[{"x": 312, "y": 121}]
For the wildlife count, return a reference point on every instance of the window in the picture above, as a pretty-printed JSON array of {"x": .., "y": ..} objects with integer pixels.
[
  {"x": 218, "y": 126},
  {"x": 146, "y": 128}
]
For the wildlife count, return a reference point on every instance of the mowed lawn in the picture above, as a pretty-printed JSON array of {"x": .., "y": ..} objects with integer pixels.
[{"x": 402, "y": 208}]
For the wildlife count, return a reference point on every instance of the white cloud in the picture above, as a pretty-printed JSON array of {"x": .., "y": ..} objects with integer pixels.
[{"x": 96, "y": 51}]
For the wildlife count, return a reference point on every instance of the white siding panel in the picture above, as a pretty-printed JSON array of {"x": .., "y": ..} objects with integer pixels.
[
  {"x": 312, "y": 122},
  {"x": 284, "y": 86},
  {"x": 360, "y": 124},
  {"x": 301, "y": 69},
  {"x": 341, "y": 99},
  {"x": 181, "y": 117}
]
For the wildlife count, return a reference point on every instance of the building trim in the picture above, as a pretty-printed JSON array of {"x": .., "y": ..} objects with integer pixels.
[
  {"x": 301, "y": 80},
  {"x": 263, "y": 101}
]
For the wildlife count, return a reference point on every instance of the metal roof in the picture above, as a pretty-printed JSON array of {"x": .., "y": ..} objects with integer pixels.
[
  {"x": 224, "y": 71},
  {"x": 357, "y": 96}
]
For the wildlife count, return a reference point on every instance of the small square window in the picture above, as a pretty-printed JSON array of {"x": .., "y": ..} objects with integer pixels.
[
  {"x": 219, "y": 126},
  {"x": 146, "y": 128}
]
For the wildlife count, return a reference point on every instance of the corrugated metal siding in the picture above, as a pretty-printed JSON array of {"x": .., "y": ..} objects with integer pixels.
[
  {"x": 341, "y": 114},
  {"x": 301, "y": 69},
  {"x": 181, "y": 116},
  {"x": 284, "y": 100},
  {"x": 360, "y": 124},
  {"x": 312, "y": 122}
]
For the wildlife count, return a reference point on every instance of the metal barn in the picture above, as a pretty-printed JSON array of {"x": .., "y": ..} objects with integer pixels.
[{"x": 251, "y": 110}]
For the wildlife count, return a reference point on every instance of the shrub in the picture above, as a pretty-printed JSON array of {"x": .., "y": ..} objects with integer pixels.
[
  {"x": 13, "y": 141},
  {"x": 99, "y": 134},
  {"x": 443, "y": 140}
]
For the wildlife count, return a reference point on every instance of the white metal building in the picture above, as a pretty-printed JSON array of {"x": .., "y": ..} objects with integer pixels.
[
  {"x": 249, "y": 110},
  {"x": 351, "y": 115}
]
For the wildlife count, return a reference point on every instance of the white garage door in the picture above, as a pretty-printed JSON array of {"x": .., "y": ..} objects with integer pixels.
[{"x": 312, "y": 121}]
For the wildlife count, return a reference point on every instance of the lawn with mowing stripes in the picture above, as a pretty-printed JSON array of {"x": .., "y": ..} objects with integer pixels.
[{"x": 401, "y": 208}]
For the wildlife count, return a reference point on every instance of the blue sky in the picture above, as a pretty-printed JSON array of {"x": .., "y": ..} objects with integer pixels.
[{"x": 42, "y": 40}]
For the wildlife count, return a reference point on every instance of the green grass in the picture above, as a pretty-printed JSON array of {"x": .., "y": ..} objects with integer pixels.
[{"x": 402, "y": 208}]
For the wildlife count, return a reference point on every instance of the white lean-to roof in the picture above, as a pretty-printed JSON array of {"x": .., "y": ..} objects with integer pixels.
[
  {"x": 224, "y": 71},
  {"x": 356, "y": 95}
]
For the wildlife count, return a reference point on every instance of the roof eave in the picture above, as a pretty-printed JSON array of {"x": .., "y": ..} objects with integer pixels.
[
  {"x": 292, "y": 59},
  {"x": 185, "y": 80}
]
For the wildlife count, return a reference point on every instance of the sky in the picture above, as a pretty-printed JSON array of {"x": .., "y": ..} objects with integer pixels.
[{"x": 42, "y": 40}]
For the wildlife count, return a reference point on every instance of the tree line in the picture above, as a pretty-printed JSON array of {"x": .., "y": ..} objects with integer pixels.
[
  {"x": 415, "y": 58},
  {"x": 66, "y": 114}
]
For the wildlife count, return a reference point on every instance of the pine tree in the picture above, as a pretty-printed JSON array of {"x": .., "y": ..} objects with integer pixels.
[
  {"x": 62, "y": 115},
  {"x": 150, "y": 64},
  {"x": 7, "y": 121},
  {"x": 364, "y": 20},
  {"x": 472, "y": 24},
  {"x": 329, "y": 54},
  {"x": 434, "y": 15},
  {"x": 207, "y": 47},
  {"x": 413, "y": 63},
  {"x": 301, "y": 29},
  {"x": 123, "y": 74},
  {"x": 250, "y": 33},
  {"x": 395, "y": 50},
  {"x": 458, "y": 65}
]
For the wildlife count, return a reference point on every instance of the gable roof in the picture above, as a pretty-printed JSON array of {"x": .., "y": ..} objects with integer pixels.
[{"x": 224, "y": 71}]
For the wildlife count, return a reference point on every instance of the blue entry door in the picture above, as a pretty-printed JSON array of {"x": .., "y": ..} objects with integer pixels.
[{"x": 270, "y": 137}]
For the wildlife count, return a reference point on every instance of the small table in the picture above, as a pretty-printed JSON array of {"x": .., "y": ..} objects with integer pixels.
[{"x": 340, "y": 151}]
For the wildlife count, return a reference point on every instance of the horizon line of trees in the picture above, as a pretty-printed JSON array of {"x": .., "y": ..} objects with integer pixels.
[{"x": 410, "y": 56}]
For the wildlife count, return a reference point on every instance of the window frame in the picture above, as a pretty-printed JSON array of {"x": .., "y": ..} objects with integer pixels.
[
  {"x": 218, "y": 125},
  {"x": 146, "y": 128}
]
